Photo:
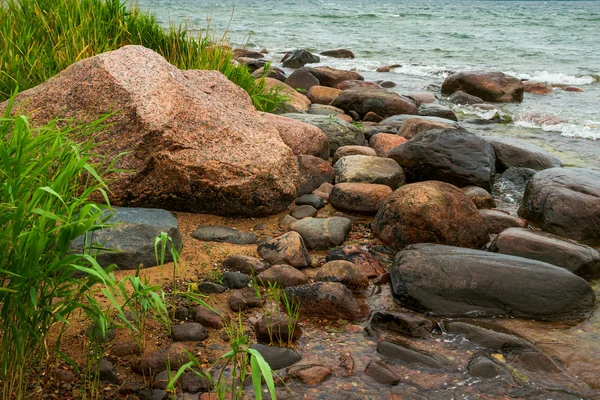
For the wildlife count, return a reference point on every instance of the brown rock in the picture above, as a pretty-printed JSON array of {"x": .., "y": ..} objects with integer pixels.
[
  {"x": 535, "y": 87},
  {"x": 372, "y": 117},
  {"x": 413, "y": 126},
  {"x": 301, "y": 79},
  {"x": 381, "y": 373},
  {"x": 324, "y": 191},
  {"x": 365, "y": 198},
  {"x": 494, "y": 87},
  {"x": 215, "y": 319},
  {"x": 245, "y": 264},
  {"x": 298, "y": 102},
  {"x": 192, "y": 140},
  {"x": 330, "y": 300},
  {"x": 345, "y": 273},
  {"x": 277, "y": 328},
  {"x": 282, "y": 275},
  {"x": 379, "y": 101},
  {"x": 313, "y": 173},
  {"x": 573, "y": 89},
  {"x": 387, "y": 68},
  {"x": 174, "y": 355},
  {"x": 62, "y": 375},
  {"x": 331, "y": 76},
  {"x": 323, "y": 94},
  {"x": 352, "y": 150},
  {"x": 286, "y": 249},
  {"x": 272, "y": 72},
  {"x": 355, "y": 84},
  {"x": 310, "y": 374},
  {"x": 358, "y": 256},
  {"x": 496, "y": 221},
  {"x": 243, "y": 299},
  {"x": 430, "y": 212},
  {"x": 124, "y": 349},
  {"x": 338, "y": 53},
  {"x": 424, "y": 98},
  {"x": 382, "y": 143},
  {"x": 247, "y": 53},
  {"x": 410, "y": 325},
  {"x": 480, "y": 197},
  {"x": 302, "y": 138}
]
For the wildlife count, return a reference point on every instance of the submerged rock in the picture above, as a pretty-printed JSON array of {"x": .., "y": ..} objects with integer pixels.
[
  {"x": 381, "y": 373},
  {"x": 188, "y": 140},
  {"x": 338, "y": 53},
  {"x": 407, "y": 354},
  {"x": 453, "y": 281},
  {"x": 516, "y": 153},
  {"x": 277, "y": 357},
  {"x": 489, "y": 335},
  {"x": 409, "y": 325},
  {"x": 565, "y": 202}
]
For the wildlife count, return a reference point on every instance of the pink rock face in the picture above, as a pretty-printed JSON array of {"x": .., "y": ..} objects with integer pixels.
[
  {"x": 193, "y": 140},
  {"x": 413, "y": 126},
  {"x": 302, "y": 138},
  {"x": 382, "y": 143}
]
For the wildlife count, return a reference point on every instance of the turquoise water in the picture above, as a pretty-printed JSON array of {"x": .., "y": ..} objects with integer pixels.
[{"x": 552, "y": 41}]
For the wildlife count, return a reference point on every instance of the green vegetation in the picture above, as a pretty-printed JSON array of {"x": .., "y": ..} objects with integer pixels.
[
  {"x": 39, "y": 38},
  {"x": 46, "y": 181}
]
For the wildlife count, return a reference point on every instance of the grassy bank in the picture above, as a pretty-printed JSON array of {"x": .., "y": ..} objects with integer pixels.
[{"x": 39, "y": 38}]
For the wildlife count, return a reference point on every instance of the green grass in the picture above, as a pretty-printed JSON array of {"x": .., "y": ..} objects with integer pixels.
[{"x": 39, "y": 38}]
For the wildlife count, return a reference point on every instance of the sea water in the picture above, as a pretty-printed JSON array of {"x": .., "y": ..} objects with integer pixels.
[{"x": 557, "y": 42}]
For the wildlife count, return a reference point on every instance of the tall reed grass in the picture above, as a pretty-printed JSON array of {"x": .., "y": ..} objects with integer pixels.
[
  {"x": 39, "y": 38},
  {"x": 46, "y": 180}
]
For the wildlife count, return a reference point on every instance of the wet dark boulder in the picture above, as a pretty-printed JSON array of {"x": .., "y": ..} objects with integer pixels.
[
  {"x": 410, "y": 325},
  {"x": 330, "y": 300},
  {"x": 449, "y": 155},
  {"x": 380, "y": 101},
  {"x": 382, "y": 373},
  {"x": 495, "y": 87},
  {"x": 580, "y": 259},
  {"x": 518, "y": 176},
  {"x": 437, "y": 110},
  {"x": 302, "y": 79},
  {"x": 129, "y": 243},
  {"x": 480, "y": 197},
  {"x": 404, "y": 353},
  {"x": 565, "y": 202},
  {"x": 453, "y": 281},
  {"x": 245, "y": 264},
  {"x": 516, "y": 153},
  {"x": 464, "y": 99},
  {"x": 299, "y": 58},
  {"x": 482, "y": 366},
  {"x": 489, "y": 336},
  {"x": 430, "y": 212},
  {"x": 277, "y": 357},
  {"x": 497, "y": 220}
]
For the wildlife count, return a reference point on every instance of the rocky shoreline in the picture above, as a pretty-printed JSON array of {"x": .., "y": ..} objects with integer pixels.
[{"x": 379, "y": 214}]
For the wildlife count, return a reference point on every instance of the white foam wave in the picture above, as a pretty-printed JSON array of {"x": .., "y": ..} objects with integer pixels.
[
  {"x": 589, "y": 130},
  {"x": 480, "y": 113},
  {"x": 555, "y": 77},
  {"x": 423, "y": 70}
]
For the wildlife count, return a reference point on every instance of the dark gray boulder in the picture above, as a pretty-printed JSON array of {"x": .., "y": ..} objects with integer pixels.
[
  {"x": 516, "y": 153},
  {"x": 449, "y": 155},
  {"x": 299, "y": 58},
  {"x": 565, "y": 202},
  {"x": 518, "y": 176},
  {"x": 277, "y": 357},
  {"x": 437, "y": 110},
  {"x": 130, "y": 242},
  {"x": 580, "y": 259},
  {"x": 453, "y": 281},
  {"x": 407, "y": 354},
  {"x": 489, "y": 86}
]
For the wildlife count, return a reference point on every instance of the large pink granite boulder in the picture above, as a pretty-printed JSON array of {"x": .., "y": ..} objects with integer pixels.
[
  {"x": 304, "y": 139},
  {"x": 192, "y": 139}
]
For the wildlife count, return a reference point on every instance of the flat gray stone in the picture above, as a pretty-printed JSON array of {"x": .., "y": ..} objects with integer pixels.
[
  {"x": 323, "y": 233},
  {"x": 223, "y": 234}
]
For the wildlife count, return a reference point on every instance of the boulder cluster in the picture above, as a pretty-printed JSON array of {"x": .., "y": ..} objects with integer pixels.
[{"x": 343, "y": 151}]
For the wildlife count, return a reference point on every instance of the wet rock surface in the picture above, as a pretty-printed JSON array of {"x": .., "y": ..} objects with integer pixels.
[
  {"x": 410, "y": 325},
  {"x": 451, "y": 155},
  {"x": 565, "y": 202},
  {"x": 489, "y": 86},
  {"x": 511, "y": 153},
  {"x": 277, "y": 357},
  {"x": 330, "y": 300},
  {"x": 379, "y": 101},
  {"x": 580, "y": 259},
  {"x": 452, "y": 281}
]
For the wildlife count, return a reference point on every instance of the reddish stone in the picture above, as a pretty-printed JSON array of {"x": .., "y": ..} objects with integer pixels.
[
  {"x": 382, "y": 143},
  {"x": 302, "y": 138}
]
